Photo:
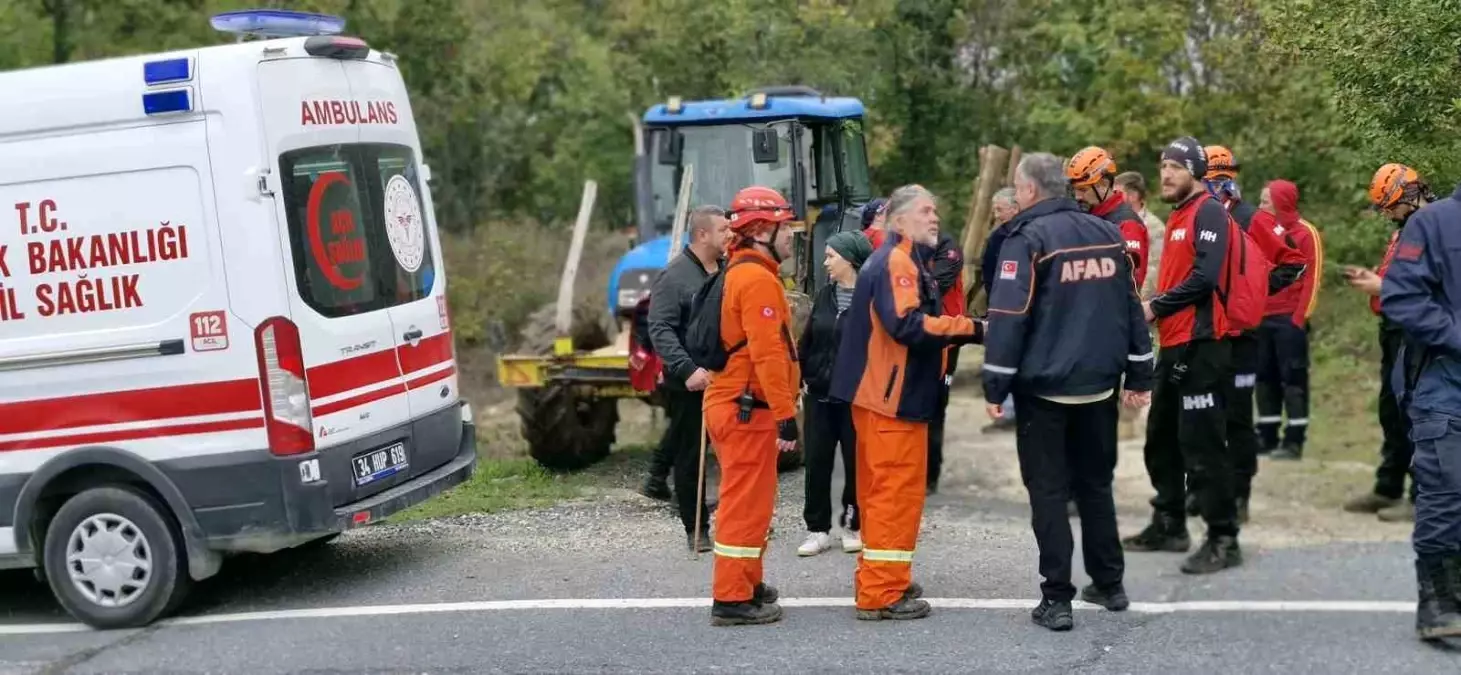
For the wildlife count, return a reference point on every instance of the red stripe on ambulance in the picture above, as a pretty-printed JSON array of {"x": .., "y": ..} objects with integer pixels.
[
  {"x": 133, "y": 434},
  {"x": 137, "y": 405}
]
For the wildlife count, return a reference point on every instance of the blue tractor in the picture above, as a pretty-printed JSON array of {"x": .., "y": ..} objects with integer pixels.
[{"x": 808, "y": 146}]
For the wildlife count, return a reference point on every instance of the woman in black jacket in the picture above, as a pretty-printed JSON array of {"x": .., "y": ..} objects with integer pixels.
[{"x": 829, "y": 423}]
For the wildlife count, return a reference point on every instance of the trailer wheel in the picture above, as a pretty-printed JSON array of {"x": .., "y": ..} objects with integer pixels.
[
  {"x": 114, "y": 558},
  {"x": 565, "y": 430}
]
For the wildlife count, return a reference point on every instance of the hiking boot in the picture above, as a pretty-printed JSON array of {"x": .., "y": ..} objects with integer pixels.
[
  {"x": 1055, "y": 615},
  {"x": 743, "y": 613},
  {"x": 913, "y": 592},
  {"x": 1160, "y": 535},
  {"x": 1369, "y": 502},
  {"x": 905, "y": 609},
  {"x": 1437, "y": 614},
  {"x": 1289, "y": 452},
  {"x": 1242, "y": 509},
  {"x": 765, "y": 594},
  {"x": 706, "y": 545},
  {"x": 656, "y": 488},
  {"x": 1217, "y": 553},
  {"x": 1404, "y": 512},
  {"x": 1113, "y": 599}
]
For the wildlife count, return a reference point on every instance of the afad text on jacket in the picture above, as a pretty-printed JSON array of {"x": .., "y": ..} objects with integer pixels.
[
  {"x": 891, "y": 358},
  {"x": 1064, "y": 316}
]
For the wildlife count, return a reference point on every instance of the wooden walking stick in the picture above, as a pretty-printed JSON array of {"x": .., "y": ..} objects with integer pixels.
[{"x": 700, "y": 484}]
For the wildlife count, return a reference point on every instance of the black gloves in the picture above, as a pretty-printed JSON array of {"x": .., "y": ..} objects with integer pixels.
[{"x": 786, "y": 430}]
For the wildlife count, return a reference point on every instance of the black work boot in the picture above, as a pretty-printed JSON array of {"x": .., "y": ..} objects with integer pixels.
[
  {"x": 1113, "y": 598},
  {"x": 1289, "y": 451},
  {"x": 706, "y": 545},
  {"x": 765, "y": 594},
  {"x": 747, "y": 613},
  {"x": 1163, "y": 534},
  {"x": 656, "y": 487},
  {"x": 1216, "y": 554},
  {"x": 1054, "y": 614},
  {"x": 1438, "y": 613},
  {"x": 910, "y": 606}
]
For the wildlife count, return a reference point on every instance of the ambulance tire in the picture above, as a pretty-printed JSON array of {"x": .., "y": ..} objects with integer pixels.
[
  {"x": 564, "y": 429},
  {"x": 131, "y": 512}
]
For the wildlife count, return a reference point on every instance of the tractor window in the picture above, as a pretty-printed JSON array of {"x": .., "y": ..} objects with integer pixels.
[
  {"x": 825, "y": 180},
  {"x": 854, "y": 158},
  {"x": 724, "y": 164}
]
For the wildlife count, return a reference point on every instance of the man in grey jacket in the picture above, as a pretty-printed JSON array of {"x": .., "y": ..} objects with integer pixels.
[{"x": 684, "y": 382}]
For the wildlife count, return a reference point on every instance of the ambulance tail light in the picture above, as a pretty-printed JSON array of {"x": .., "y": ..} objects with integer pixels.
[{"x": 286, "y": 396}]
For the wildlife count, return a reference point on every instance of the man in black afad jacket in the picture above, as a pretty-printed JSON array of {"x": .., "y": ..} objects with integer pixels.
[
  {"x": 1065, "y": 327},
  {"x": 684, "y": 382}
]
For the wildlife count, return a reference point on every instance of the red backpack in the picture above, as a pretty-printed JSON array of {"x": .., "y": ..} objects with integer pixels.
[{"x": 1243, "y": 290}]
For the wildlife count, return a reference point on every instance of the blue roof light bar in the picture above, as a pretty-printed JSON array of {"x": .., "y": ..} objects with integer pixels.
[
  {"x": 170, "y": 70},
  {"x": 277, "y": 23}
]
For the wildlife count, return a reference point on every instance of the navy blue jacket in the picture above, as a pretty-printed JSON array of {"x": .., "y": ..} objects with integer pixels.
[
  {"x": 991, "y": 256},
  {"x": 1421, "y": 295},
  {"x": 1064, "y": 316}
]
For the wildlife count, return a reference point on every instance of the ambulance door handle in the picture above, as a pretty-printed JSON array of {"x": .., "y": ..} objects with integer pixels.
[{"x": 412, "y": 335}]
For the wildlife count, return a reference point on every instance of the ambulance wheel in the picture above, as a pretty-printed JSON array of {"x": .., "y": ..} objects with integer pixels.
[
  {"x": 565, "y": 429},
  {"x": 114, "y": 558}
]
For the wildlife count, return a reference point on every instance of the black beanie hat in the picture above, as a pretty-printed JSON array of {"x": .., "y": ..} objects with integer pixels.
[{"x": 1188, "y": 152}]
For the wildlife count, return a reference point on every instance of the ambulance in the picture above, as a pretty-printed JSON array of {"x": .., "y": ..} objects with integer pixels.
[{"x": 223, "y": 320}]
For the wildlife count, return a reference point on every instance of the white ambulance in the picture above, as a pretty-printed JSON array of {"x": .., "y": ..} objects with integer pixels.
[{"x": 223, "y": 322}]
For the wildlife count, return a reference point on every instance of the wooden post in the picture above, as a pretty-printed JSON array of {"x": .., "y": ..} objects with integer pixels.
[
  {"x": 563, "y": 345},
  {"x": 1009, "y": 179},
  {"x": 682, "y": 210},
  {"x": 992, "y": 161}
]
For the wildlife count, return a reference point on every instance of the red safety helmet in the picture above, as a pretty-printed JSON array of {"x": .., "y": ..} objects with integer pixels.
[{"x": 758, "y": 205}]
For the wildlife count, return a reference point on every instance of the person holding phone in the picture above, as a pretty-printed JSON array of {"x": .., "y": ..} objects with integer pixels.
[{"x": 1397, "y": 191}]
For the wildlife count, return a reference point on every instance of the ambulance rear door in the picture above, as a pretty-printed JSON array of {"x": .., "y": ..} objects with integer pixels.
[
  {"x": 344, "y": 277},
  {"x": 428, "y": 364}
]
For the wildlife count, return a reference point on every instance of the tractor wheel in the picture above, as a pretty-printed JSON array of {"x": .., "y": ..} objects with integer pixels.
[{"x": 565, "y": 430}]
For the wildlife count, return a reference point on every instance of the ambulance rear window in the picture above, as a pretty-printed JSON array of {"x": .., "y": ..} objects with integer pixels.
[{"x": 357, "y": 227}]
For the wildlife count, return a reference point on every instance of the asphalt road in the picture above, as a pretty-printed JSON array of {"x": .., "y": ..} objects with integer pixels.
[{"x": 432, "y": 598}]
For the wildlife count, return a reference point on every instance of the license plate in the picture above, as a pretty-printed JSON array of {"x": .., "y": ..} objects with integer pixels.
[{"x": 377, "y": 464}]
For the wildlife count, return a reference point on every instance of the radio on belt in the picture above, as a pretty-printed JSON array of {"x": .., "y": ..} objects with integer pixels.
[{"x": 238, "y": 328}]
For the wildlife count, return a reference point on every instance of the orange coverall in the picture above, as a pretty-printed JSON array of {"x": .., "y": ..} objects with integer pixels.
[
  {"x": 753, "y": 308},
  {"x": 890, "y": 366}
]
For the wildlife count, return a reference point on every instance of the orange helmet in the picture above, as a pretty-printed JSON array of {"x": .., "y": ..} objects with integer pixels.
[
  {"x": 1220, "y": 163},
  {"x": 758, "y": 205},
  {"x": 1089, "y": 166},
  {"x": 1391, "y": 183}
]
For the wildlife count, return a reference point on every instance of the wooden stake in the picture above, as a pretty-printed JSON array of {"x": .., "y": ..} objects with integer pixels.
[
  {"x": 564, "y": 317},
  {"x": 700, "y": 485}
]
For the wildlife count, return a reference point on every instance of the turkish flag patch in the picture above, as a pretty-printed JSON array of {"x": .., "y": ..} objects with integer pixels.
[
  {"x": 905, "y": 282},
  {"x": 1008, "y": 269},
  {"x": 1409, "y": 252},
  {"x": 768, "y": 312},
  {"x": 953, "y": 255}
]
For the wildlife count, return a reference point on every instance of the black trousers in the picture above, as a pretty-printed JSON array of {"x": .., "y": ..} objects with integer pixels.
[
  {"x": 1067, "y": 449},
  {"x": 1283, "y": 381},
  {"x": 829, "y": 425},
  {"x": 663, "y": 458},
  {"x": 936, "y": 427},
  {"x": 1242, "y": 437},
  {"x": 682, "y": 438},
  {"x": 1396, "y": 450},
  {"x": 1186, "y": 433}
]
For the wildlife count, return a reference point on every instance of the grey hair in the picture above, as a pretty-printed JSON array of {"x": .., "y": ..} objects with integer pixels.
[
  {"x": 1006, "y": 195},
  {"x": 903, "y": 198},
  {"x": 1046, "y": 172},
  {"x": 703, "y": 218}
]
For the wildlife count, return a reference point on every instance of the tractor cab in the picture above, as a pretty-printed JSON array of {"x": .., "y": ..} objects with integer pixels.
[{"x": 808, "y": 146}]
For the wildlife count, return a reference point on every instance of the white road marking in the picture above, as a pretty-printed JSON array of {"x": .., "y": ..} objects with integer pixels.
[{"x": 1229, "y": 606}]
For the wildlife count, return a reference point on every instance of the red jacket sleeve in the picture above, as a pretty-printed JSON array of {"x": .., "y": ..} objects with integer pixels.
[
  {"x": 1313, "y": 250},
  {"x": 1138, "y": 248}
]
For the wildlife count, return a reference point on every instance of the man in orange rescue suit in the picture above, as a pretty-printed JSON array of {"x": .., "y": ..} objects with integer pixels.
[
  {"x": 750, "y": 405},
  {"x": 890, "y": 366}
]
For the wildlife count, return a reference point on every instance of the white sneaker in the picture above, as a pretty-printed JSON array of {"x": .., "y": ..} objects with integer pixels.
[
  {"x": 816, "y": 542},
  {"x": 851, "y": 541}
]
